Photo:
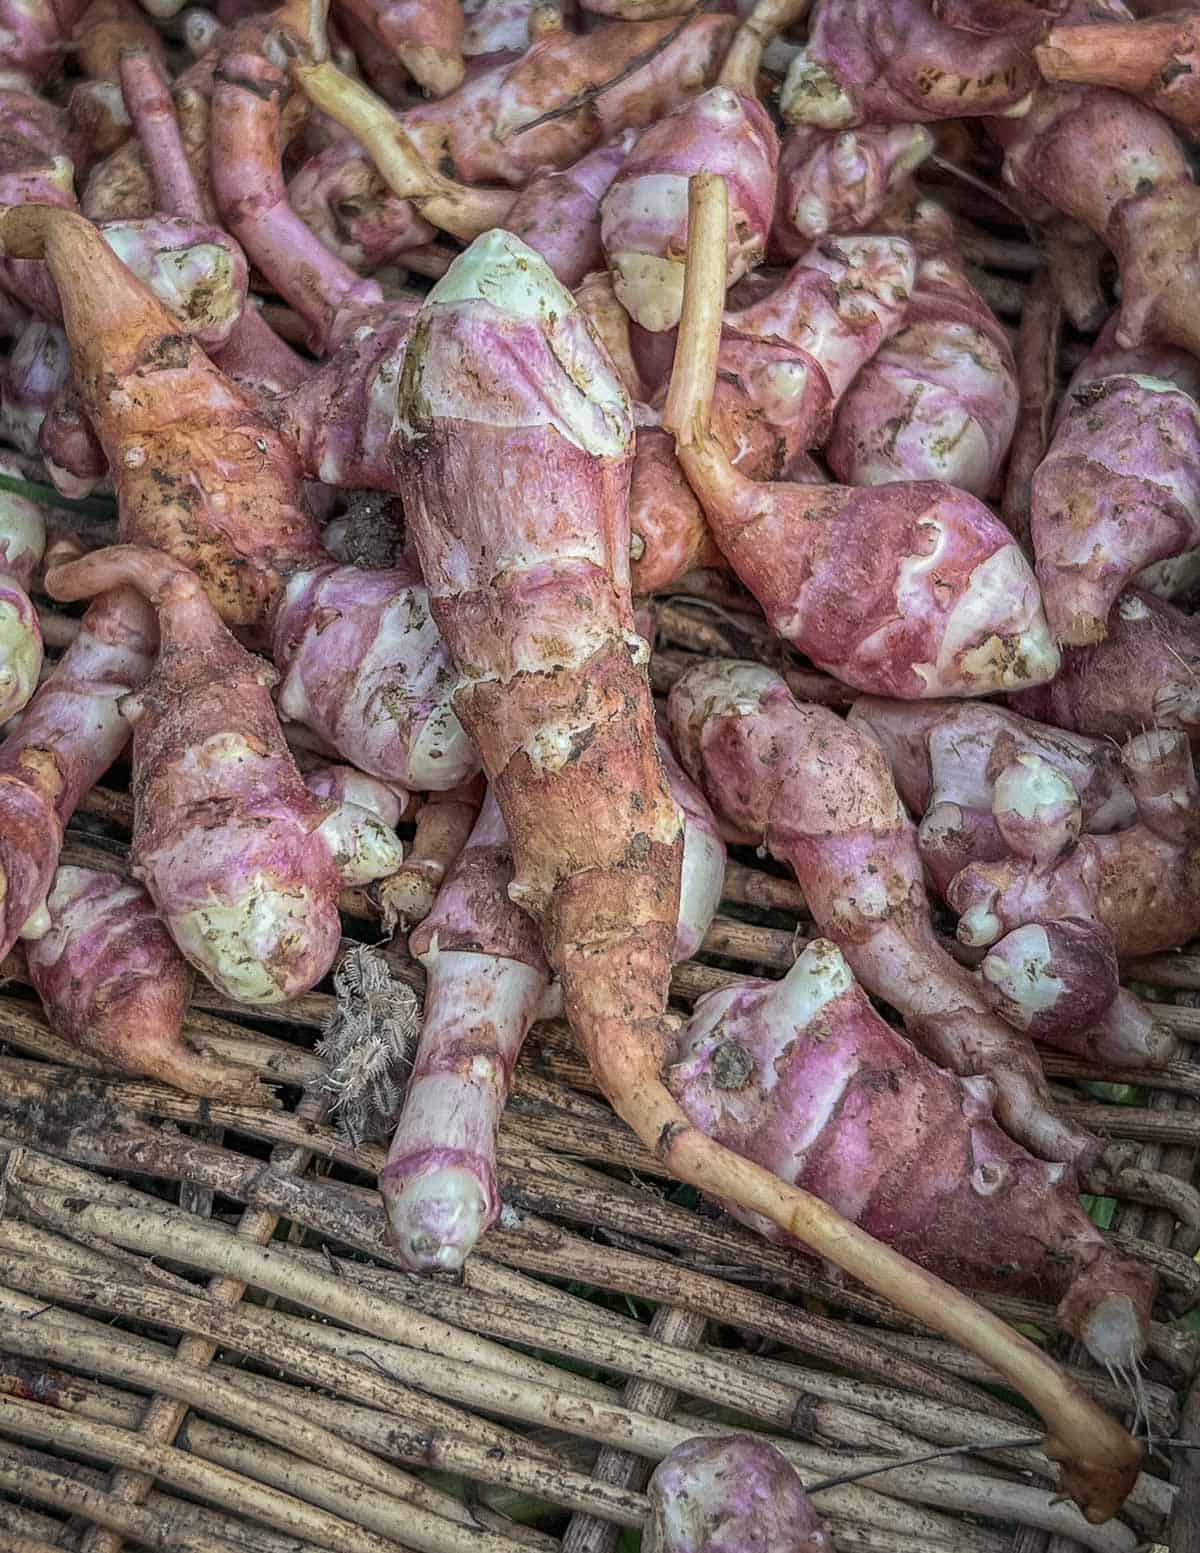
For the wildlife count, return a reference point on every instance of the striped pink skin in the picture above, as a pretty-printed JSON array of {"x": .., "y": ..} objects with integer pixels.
[
  {"x": 69, "y": 735},
  {"x": 644, "y": 213},
  {"x": 113, "y": 983},
  {"x": 804, "y": 1077}
]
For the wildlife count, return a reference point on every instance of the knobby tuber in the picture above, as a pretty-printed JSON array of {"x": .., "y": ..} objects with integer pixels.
[
  {"x": 515, "y": 485},
  {"x": 912, "y": 589},
  {"x": 69, "y": 734},
  {"x": 505, "y": 125},
  {"x": 818, "y": 794},
  {"x": 1107, "y": 161},
  {"x": 444, "y": 822},
  {"x": 946, "y": 758},
  {"x": 865, "y": 63},
  {"x": 113, "y": 983},
  {"x": 363, "y": 665},
  {"x": 840, "y": 181},
  {"x": 240, "y": 859},
  {"x": 803, "y": 1076},
  {"x": 1141, "y": 885},
  {"x": 426, "y": 37},
  {"x": 784, "y": 362},
  {"x": 643, "y": 221},
  {"x": 1119, "y": 487},
  {"x": 734, "y": 1494},
  {"x": 939, "y": 400}
]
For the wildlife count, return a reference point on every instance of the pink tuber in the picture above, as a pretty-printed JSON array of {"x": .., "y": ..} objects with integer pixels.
[
  {"x": 817, "y": 793},
  {"x": 113, "y": 984},
  {"x": 735, "y": 1494},
  {"x": 643, "y": 223},
  {"x": 241, "y": 860},
  {"x": 866, "y": 63},
  {"x": 938, "y": 401},
  {"x": 803, "y": 1076},
  {"x": 68, "y": 736},
  {"x": 426, "y": 37},
  {"x": 362, "y": 664},
  {"x": 503, "y": 126},
  {"x": 444, "y": 822},
  {"x": 1119, "y": 487},
  {"x": 947, "y": 756},
  {"x": 1142, "y": 885},
  {"x": 515, "y": 485},
  {"x": 911, "y": 589},
  {"x": 1144, "y": 674},
  {"x": 840, "y": 181},
  {"x": 1107, "y": 161},
  {"x": 784, "y": 362}
]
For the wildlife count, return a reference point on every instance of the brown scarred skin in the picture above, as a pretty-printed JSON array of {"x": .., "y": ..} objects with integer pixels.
[
  {"x": 443, "y": 824},
  {"x": 198, "y": 470},
  {"x": 1157, "y": 61},
  {"x": 426, "y": 36}
]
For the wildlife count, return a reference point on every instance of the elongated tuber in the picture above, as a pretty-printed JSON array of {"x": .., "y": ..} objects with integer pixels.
[
  {"x": 444, "y": 822},
  {"x": 946, "y": 757},
  {"x": 817, "y": 793},
  {"x": 514, "y": 487},
  {"x": 730, "y": 1495},
  {"x": 803, "y": 1076},
  {"x": 558, "y": 213},
  {"x": 911, "y": 589},
  {"x": 1154, "y": 59},
  {"x": 69, "y": 734},
  {"x": 113, "y": 983},
  {"x": 238, "y": 856}
]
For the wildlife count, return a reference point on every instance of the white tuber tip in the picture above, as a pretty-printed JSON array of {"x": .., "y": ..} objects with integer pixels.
[
  {"x": 650, "y": 289},
  {"x": 236, "y": 943},
  {"x": 364, "y": 848},
  {"x": 1028, "y": 784},
  {"x": 978, "y": 926},
  {"x": 20, "y": 655},
  {"x": 437, "y": 1219}
]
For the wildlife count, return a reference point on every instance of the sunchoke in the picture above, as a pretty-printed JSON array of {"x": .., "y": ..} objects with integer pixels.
[
  {"x": 911, "y": 589},
  {"x": 514, "y": 487},
  {"x": 113, "y": 983},
  {"x": 730, "y": 1495},
  {"x": 803, "y": 1076}
]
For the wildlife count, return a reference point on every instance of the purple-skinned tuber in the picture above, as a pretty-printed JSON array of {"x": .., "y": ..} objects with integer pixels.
[{"x": 736, "y": 1494}]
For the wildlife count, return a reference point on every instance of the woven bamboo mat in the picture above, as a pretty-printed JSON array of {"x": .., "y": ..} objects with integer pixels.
[{"x": 206, "y": 1345}]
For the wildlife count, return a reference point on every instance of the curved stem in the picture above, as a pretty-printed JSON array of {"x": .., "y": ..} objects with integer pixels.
[
  {"x": 760, "y": 29},
  {"x": 1100, "y": 1459},
  {"x": 462, "y": 211}
]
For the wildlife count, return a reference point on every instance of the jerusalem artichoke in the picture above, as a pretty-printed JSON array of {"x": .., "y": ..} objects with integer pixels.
[
  {"x": 112, "y": 983},
  {"x": 1154, "y": 59},
  {"x": 240, "y": 859},
  {"x": 840, "y": 181},
  {"x": 1144, "y": 674},
  {"x": 514, "y": 487},
  {"x": 803, "y": 1076},
  {"x": 69, "y": 734},
  {"x": 911, "y": 589},
  {"x": 22, "y": 542},
  {"x": 733, "y": 1494}
]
